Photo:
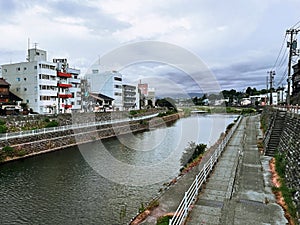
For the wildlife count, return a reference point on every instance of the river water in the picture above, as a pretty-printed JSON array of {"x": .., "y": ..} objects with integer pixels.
[{"x": 103, "y": 182}]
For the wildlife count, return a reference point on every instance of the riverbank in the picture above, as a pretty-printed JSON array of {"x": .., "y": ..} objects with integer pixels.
[{"x": 29, "y": 146}]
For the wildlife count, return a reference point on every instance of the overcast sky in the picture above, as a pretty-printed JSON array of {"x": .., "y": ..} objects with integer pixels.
[{"x": 238, "y": 40}]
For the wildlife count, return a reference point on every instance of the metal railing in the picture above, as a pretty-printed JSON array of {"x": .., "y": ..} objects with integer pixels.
[
  {"x": 21, "y": 134},
  {"x": 192, "y": 193},
  {"x": 292, "y": 108}
]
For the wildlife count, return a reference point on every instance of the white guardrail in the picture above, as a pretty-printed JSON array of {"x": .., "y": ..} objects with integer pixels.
[
  {"x": 21, "y": 134},
  {"x": 192, "y": 193},
  {"x": 292, "y": 109}
]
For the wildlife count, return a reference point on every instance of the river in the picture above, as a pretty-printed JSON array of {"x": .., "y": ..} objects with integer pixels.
[{"x": 103, "y": 182}]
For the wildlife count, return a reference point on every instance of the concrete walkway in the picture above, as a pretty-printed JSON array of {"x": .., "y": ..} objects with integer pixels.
[{"x": 238, "y": 191}]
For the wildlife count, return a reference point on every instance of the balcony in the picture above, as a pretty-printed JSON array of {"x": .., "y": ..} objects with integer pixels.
[
  {"x": 48, "y": 92},
  {"x": 65, "y": 95},
  {"x": 75, "y": 81},
  {"x": 66, "y": 106},
  {"x": 64, "y": 85},
  {"x": 62, "y": 74}
]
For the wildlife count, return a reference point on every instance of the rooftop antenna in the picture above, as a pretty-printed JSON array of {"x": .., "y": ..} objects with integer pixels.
[
  {"x": 28, "y": 46},
  {"x": 35, "y": 45}
]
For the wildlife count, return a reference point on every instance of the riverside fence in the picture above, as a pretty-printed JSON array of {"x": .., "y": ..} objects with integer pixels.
[
  {"x": 21, "y": 134},
  {"x": 192, "y": 193}
]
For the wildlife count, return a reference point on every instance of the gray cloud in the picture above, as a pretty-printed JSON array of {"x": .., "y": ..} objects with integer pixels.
[{"x": 239, "y": 41}]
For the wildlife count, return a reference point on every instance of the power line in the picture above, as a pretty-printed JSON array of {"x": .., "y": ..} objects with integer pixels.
[
  {"x": 283, "y": 43},
  {"x": 296, "y": 25},
  {"x": 283, "y": 78},
  {"x": 283, "y": 58}
]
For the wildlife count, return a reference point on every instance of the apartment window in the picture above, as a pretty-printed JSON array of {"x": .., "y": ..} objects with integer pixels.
[
  {"x": 25, "y": 89},
  {"x": 35, "y": 100},
  {"x": 25, "y": 68},
  {"x": 35, "y": 67},
  {"x": 118, "y": 94},
  {"x": 17, "y": 89},
  {"x": 118, "y": 86},
  {"x": 5, "y": 70},
  {"x": 18, "y": 68},
  {"x": 18, "y": 79},
  {"x": 95, "y": 71},
  {"x": 25, "y": 78},
  {"x": 118, "y": 78},
  {"x": 27, "y": 101}
]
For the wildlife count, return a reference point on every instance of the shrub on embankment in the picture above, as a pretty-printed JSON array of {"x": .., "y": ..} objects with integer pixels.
[
  {"x": 8, "y": 151},
  {"x": 191, "y": 152}
]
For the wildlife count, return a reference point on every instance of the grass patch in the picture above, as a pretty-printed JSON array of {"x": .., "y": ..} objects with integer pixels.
[{"x": 164, "y": 220}]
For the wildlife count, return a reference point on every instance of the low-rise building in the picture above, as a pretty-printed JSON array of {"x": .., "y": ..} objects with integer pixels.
[
  {"x": 108, "y": 83},
  {"x": 147, "y": 96}
]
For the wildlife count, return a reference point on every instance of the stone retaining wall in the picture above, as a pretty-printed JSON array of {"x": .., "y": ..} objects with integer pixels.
[
  {"x": 38, "y": 121},
  {"x": 289, "y": 148},
  {"x": 42, "y": 143}
]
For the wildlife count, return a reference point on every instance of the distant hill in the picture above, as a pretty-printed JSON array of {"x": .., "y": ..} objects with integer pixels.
[{"x": 181, "y": 95}]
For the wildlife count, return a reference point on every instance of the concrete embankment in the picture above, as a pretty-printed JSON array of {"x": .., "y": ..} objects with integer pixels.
[{"x": 42, "y": 143}]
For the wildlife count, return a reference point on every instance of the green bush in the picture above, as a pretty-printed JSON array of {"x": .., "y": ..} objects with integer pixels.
[
  {"x": 3, "y": 129},
  {"x": 52, "y": 123},
  {"x": 229, "y": 126},
  {"x": 133, "y": 112},
  {"x": 2, "y": 122},
  {"x": 21, "y": 153},
  {"x": 47, "y": 120},
  {"x": 9, "y": 151},
  {"x": 248, "y": 111}
]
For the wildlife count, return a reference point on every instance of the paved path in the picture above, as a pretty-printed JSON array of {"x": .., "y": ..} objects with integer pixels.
[{"x": 238, "y": 191}]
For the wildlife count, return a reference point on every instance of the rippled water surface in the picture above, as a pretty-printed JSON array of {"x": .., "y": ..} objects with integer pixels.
[{"x": 103, "y": 182}]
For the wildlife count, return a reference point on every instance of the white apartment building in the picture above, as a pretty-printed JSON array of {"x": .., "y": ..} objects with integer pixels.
[
  {"x": 68, "y": 83},
  {"x": 131, "y": 98},
  {"x": 37, "y": 82},
  {"x": 108, "y": 83},
  {"x": 75, "y": 90}
]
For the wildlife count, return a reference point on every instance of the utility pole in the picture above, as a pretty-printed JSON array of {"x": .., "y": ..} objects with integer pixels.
[
  {"x": 292, "y": 45},
  {"x": 272, "y": 74},
  {"x": 267, "y": 90}
]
